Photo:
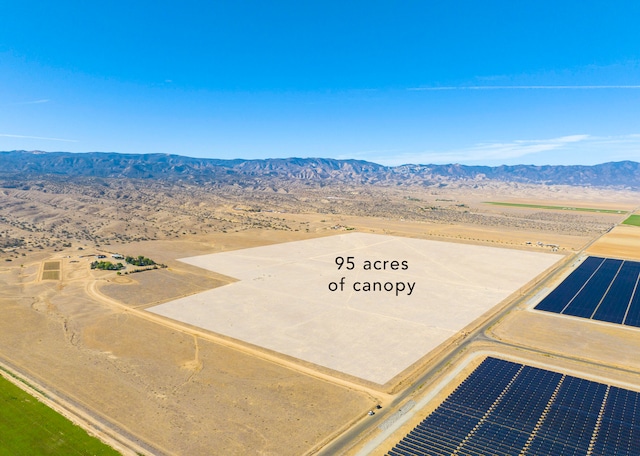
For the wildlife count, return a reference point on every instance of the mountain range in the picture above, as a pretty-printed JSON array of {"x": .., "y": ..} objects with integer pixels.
[{"x": 321, "y": 171}]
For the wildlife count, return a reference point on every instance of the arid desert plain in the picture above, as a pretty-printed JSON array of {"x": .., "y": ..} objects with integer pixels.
[{"x": 265, "y": 334}]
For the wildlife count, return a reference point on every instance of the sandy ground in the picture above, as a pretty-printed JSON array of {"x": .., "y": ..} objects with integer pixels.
[
  {"x": 621, "y": 242},
  {"x": 598, "y": 342}
]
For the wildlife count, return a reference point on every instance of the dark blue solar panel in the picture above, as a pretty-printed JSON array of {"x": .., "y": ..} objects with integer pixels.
[
  {"x": 563, "y": 293},
  {"x": 506, "y": 429},
  {"x": 551, "y": 448},
  {"x": 495, "y": 439},
  {"x": 435, "y": 442},
  {"x": 412, "y": 448},
  {"x": 585, "y": 302},
  {"x": 573, "y": 415},
  {"x": 633, "y": 315},
  {"x": 442, "y": 431},
  {"x": 602, "y": 289},
  {"x": 614, "y": 305},
  {"x": 533, "y": 412},
  {"x": 525, "y": 400},
  {"x": 482, "y": 387},
  {"x": 395, "y": 453},
  {"x": 406, "y": 450},
  {"x": 452, "y": 425},
  {"x": 620, "y": 427}
]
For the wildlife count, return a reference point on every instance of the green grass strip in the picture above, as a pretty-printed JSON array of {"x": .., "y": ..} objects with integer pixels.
[
  {"x": 632, "y": 220},
  {"x": 28, "y": 427},
  {"x": 559, "y": 208}
]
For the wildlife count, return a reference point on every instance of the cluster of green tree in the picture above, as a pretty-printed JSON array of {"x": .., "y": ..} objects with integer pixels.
[
  {"x": 140, "y": 261},
  {"x": 106, "y": 265}
]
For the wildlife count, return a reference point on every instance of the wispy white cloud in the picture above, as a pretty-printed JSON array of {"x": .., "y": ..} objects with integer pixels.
[
  {"x": 37, "y": 137},
  {"x": 609, "y": 148},
  {"x": 527, "y": 87},
  {"x": 570, "y": 149},
  {"x": 490, "y": 152},
  {"x": 617, "y": 139},
  {"x": 44, "y": 100},
  {"x": 519, "y": 148}
]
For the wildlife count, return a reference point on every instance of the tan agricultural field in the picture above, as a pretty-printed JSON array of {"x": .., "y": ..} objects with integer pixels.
[
  {"x": 173, "y": 388},
  {"x": 592, "y": 341},
  {"x": 621, "y": 242}
]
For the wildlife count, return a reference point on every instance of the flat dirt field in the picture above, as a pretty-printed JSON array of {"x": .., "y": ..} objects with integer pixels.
[
  {"x": 623, "y": 242},
  {"x": 593, "y": 341},
  {"x": 292, "y": 298}
]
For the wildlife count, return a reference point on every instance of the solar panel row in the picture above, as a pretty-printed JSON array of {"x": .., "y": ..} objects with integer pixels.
[
  {"x": 506, "y": 408},
  {"x": 620, "y": 423},
  {"x": 557, "y": 300},
  {"x": 600, "y": 289},
  {"x": 572, "y": 417},
  {"x": 584, "y": 303}
]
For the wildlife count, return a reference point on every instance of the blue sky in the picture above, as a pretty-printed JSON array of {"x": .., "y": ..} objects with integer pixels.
[{"x": 491, "y": 82}]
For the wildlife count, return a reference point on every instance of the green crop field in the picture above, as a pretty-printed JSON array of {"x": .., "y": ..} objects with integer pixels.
[
  {"x": 28, "y": 427},
  {"x": 632, "y": 220},
  {"x": 559, "y": 208}
]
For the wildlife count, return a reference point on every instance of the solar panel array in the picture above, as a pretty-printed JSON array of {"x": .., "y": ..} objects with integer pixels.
[
  {"x": 506, "y": 408},
  {"x": 604, "y": 289}
]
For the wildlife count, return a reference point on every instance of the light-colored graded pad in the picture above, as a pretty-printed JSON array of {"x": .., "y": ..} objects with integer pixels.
[{"x": 282, "y": 301}]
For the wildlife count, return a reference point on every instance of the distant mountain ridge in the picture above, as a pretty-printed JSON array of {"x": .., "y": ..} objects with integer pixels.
[{"x": 23, "y": 164}]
